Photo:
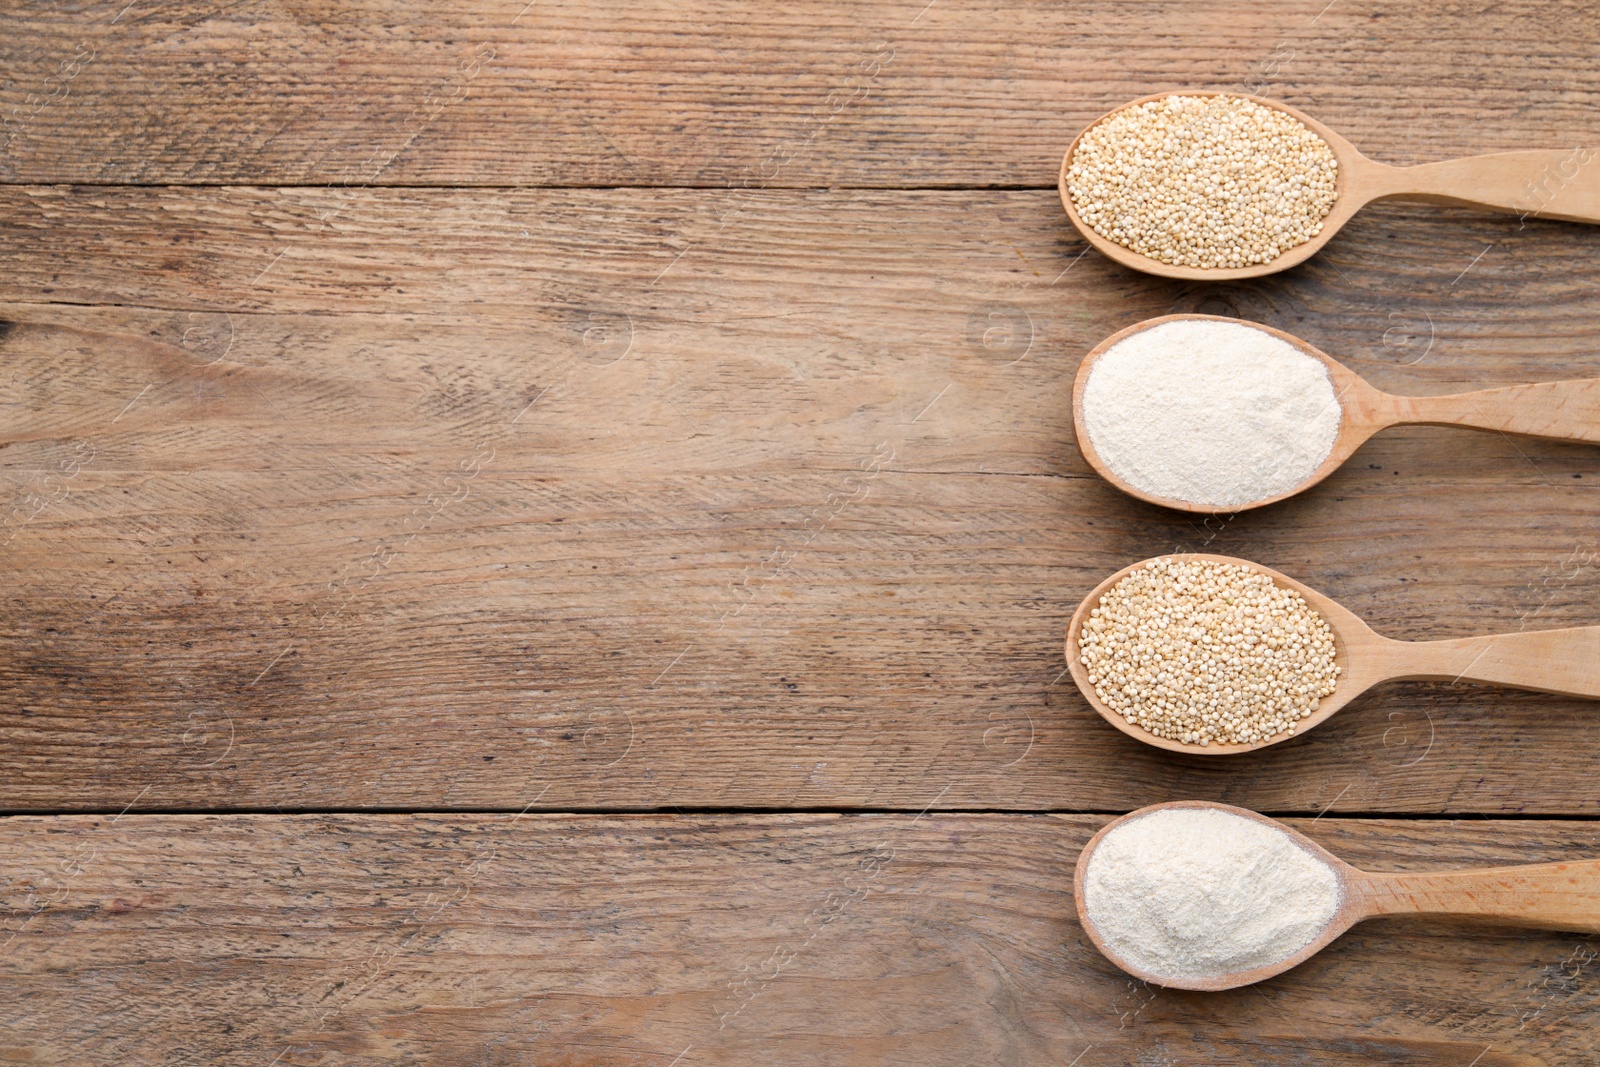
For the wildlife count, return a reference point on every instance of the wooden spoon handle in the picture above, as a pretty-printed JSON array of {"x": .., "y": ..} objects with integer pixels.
[
  {"x": 1555, "y": 183},
  {"x": 1551, "y": 896},
  {"x": 1548, "y": 661},
  {"x": 1569, "y": 410}
]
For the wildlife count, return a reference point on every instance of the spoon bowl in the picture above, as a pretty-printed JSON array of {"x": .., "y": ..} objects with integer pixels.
[
  {"x": 1550, "y": 896},
  {"x": 1568, "y": 410},
  {"x": 1347, "y": 915},
  {"x": 1342, "y": 622},
  {"x": 1565, "y": 661},
  {"x": 1548, "y": 183}
]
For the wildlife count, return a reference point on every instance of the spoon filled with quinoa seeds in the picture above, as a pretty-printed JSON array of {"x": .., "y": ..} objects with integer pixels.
[
  {"x": 1210, "y": 185},
  {"x": 1213, "y": 655}
]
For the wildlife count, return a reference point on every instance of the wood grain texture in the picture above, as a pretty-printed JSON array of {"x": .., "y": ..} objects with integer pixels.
[
  {"x": 377, "y": 433},
  {"x": 711, "y": 93},
  {"x": 478, "y": 499},
  {"x": 1553, "y": 409},
  {"x": 652, "y": 940}
]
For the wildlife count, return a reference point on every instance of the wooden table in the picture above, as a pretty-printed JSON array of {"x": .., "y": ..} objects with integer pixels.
[{"x": 542, "y": 534}]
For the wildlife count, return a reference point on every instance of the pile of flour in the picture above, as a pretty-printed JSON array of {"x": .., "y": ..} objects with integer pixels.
[
  {"x": 1200, "y": 893},
  {"x": 1215, "y": 413}
]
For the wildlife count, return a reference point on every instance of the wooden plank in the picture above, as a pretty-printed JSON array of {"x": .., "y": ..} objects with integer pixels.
[
  {"x": 437, "y": 515},
  {"x": 795, "y": 939},
  {"x": 723, "y": 94}
]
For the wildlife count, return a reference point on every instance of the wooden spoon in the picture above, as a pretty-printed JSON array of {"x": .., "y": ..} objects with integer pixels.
[
  {"x": 1547, "y": 661},
  {"x": 1547, "y": 896},
  {"x": 1568, "y": 410},
  {"x": 1550, "y": 183}
]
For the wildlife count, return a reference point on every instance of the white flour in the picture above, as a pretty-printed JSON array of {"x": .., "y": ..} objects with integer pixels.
[
  {"x": 1219, "y": 414},
  {"x": 1199, "y": 893}
]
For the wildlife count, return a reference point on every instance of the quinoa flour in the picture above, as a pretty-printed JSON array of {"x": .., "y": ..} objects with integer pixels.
[
  {"x": 1213, "y": 413},
  {"x": 1200, "y": 893}
]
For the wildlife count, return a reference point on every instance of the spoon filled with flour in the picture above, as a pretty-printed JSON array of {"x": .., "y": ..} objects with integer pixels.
[
  {"x": 1194, "y": 895},
  {"x": 1216, "y": 415}
]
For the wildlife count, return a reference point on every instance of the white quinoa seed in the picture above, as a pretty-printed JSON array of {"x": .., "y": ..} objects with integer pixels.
[
  {"x": 1211, "y": 182},
  {"x": 1200, "y": 651}
]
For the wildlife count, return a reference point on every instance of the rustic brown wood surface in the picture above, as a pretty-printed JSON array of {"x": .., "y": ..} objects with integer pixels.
[
  {"x": 716, "y": 93},
  {"x": 433, "y": 514},
  {"x": 433, "y": 415},
  {"x": 651, "y": 940}
]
